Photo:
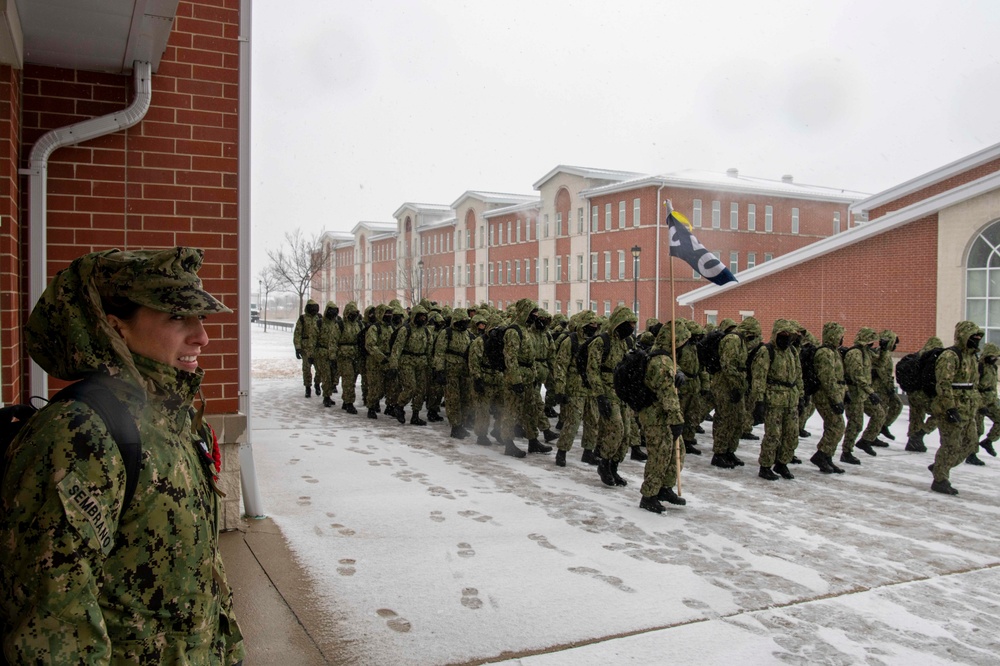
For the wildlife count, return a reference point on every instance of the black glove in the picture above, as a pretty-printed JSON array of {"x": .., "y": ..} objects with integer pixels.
[
  {"x": 680, "y": 379},
  {"x": 837, "y": 407},
  {"x": 604, "y": 406},
  {"x": 758, "y": 413},
  {"x": 675, "y": 431},
  {"x": 479, "y": 385},
  {"x": 311, "y": 360},
  {"x": 560, "y": 398},
  {"x": 517, "y": 388},
  {"x": 874, "y": 399},
  {"x": 391, "y": 374},
  {"x": 298, "y": 354},
  {"x": 439, "y": 377},
  {"x": 802, "y": 405},
  {"x": 735, "y": 396},
  {"x": 951, "y": 416}
]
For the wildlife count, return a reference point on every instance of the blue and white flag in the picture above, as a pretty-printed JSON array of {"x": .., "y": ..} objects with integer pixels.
[{"x": 683, "y": 244}]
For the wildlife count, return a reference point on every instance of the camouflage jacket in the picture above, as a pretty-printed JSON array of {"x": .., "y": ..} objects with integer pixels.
[
  {"x": 346, "y": 333},
  {"x": 987, "y": 383},
  {"x": 687, "y": 361},
  {"x": 305, "y": 334},
  {"x": 954, "y": 372},
  {"x": 325, "y": 340},
  {"x": 660, "y": 380},
  {"x": 377, "y": 343},
  {"x": 733, "y": 362},
  {"x": 858, "y": 371},
  {"x": 830, "y": 372},
  {"x": 567, "y": 377},
  {"x": 451, "y": 351}
]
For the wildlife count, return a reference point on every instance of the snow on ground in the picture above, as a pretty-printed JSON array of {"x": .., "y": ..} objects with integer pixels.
[{"x": 429, "y": 550}]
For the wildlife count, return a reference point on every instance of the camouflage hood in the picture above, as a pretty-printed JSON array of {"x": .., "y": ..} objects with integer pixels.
[
  {"x": 667, "y": 330},
  {"x": 865, "y": 336},
  {"x": 748, "y": 327},
  {"x": 350, "y": 308},
  {"x": 380, "y": 311},
  {"x": 783, "y": 326},
  {"x": 417, "y": 310},
  {"x": 933, "y": 342},
  {"x": 459, "y": 315},
  {"x": 833, "y": 333},
  {"x": 965, "y": 330},
  {"x": 522, "y": 309},
  {"x": 728, "y": 323},
  {"x": 991, "y": 350},
  {"x": 891, "y": 338},
  {"x": 330, "y": 311},
  {"x": 67, "y": 332},
  {"x": 312, "y": 307},
  {"x": 619, "y": 316}
]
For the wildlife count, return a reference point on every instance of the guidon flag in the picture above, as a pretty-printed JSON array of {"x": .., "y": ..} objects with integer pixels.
[{"x": 684, "y": 245}]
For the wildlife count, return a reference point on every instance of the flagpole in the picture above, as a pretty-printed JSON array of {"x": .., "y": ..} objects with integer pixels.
[{"x": 673, "y": 342}]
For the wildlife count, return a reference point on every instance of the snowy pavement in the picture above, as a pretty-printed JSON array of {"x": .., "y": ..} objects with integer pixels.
[{"x": 430, "y": 550}]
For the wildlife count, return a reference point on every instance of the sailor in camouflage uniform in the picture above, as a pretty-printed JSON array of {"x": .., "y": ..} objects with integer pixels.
[
  {"x": 920, "y": 407},
  {"x": 829, "y": 396},
  {"x": 519, "y": 382},
  {"x": 346, "y": 332},
  {"x": 862, "y": 397},
  {"x": 377, "y": 346},
  {"x": 408, "y": 360},
  {"x": 776, "y": 389},
  {"x": 485, "y": 380},
  {"x": 84, "y": 581},
  {"x": 989, "y": 404},
  {"x": 451, "y": 370},
  {"x": 729, "y": 386},
  {"x": 884, "y": 383},
  {"x": 325, "y": 353},
  {"x": 304, "y": 340},
  {"x": 662, "y": 423}
]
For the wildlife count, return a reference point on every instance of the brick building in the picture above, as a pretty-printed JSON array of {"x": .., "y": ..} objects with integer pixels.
[
  {"x": 136, "y": 139},
  {"x": 591, "y": 238},
  {"x": 926, "y": 258}
]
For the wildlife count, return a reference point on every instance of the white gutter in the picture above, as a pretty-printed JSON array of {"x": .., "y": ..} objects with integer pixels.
[
  {"x": 656, "y": 275},
  {"x": 252, "y": 504},
  {"x": 37, "y": 187}
]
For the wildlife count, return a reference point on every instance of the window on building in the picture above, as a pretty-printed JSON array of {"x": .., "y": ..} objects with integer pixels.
[
  {"x": 711, "y": 317},
  {"x": 509, "y": 274},
  {"x": 593, "y": 219},
  {"x": 491, "y": 272},
  {"x": 734, "y": 216},
  {"x": 470, "y": 279},
  {"x": 517, "y": 271},
  {"x": 579, "y": 268},
  {"x": 768, "y": 219},
  {"x": 607, "y": 265},
  {"x": 716, "y": 214},
  {"x": 593, "y": 306},
  {"x": 751, "y": 259},
  {"x": 607, "y": 308},
  {"x": 527, "y": 271},
  {"x": 545, "y": 228},
  {"x": 696, "y": 213},
  {"x": 558, "y": 269},
  {"x": 545, "y": 270},
  {"x": 518, "y": 235},
  {"x": 545, "y": 305},
  {"x": 510, "y": 231},
  {"x": 751, "y": 217},
  {"x": 559, "y": 227},
  {"x": 768, "y": 256},
  {"x": 621, "y": 214},
  {"x": 836, "y": 222},
  {"x": 468, "y": 238},
  {"x": 558, "y": 307},
  {"x": 537, "y": 276},
  {"x": 636, "y": 210},
  {"x": 734, "y": 262},
  {"x": 607, "y": 217},
  {"x": 795, "y": 220},
  {"x": 493, "y": 238},
  {"x": 621, "y": 264},
  {"x": 593, "y": 266},
  {"x": 579, "y": 220}
]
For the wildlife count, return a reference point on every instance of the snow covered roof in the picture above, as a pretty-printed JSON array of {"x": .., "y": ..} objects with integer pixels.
[
  {"x": 506, "y": 210},
  {"x": 374, "y": 227},
  {"x": 857, "y": 234},
  {"x": 930, "y": 178},
  {"x": 586, "y": 172},
  {"x": 494, "y": 198},
  {"x": 731, "y": 181},
  {"x": 437, "y": 224},
  {"x": 337, "y": 237},
  {"x": 422, "y": 208}
]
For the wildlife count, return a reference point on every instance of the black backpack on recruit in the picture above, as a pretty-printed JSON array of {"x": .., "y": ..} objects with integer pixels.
[
  {"x": 708, "y": 351},
  {"x": 630, "y": 379},
  {"x": 583, "y": 353},
  {"x": 493, "y": 356},
  {"x": 96, "y": 392},
  {"x": 810, "y": 378},
  {"x": 908, "y": 372},
  {"x": 928, "y": 370}
]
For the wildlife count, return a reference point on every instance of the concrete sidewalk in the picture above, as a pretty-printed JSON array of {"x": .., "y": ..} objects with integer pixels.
[{"x": 275, "y": 605}]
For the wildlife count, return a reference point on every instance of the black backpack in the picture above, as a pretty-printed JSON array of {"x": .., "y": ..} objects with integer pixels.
[
  {"x": 908, "y": 372},
  {"x": 362, "y": 348},
  {"x": 708, "y": 351},
  {"x": 493, "y": 347},
  {"x": 630, "y": 378},
  {"x": 95, "y": 391},
  {"x": 928, "y": 374},
  {"x": 753, "y": 354},
  {"x": 810, "y": 379},
  {"x": 584, "y": 351}
]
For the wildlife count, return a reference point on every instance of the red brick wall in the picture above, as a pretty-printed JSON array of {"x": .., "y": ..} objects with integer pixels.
[
  {"x": 11, "y": 366},
  {"x": 170, "y": 180},
  {"x": 936, "y": 188},
  {"x": 887, "y": 281}
]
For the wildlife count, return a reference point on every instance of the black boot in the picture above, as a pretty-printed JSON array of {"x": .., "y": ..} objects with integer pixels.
[
  {"x": 849, "y": 458},
  {"x": 833, "y": 466},
  {"x": 699, "y": 430},
  {"x": 560, "y": 458},
  {"x": 667, "y": 494},
  {"x": 534, "y": 446},
  {"x": 510, "y": 449},
  {"x": 750, "y": 436},
  {"x": 518, "y": 430},
  {"x": 371, "y": 413},
  {"x": 327, "y": 402},
  {"x": 416, "y": 420},
  {"x": 308, "y": 392},
  {"x": 721, "y": 460},
  {"x": 350, "y": 408},
  {"x": 880, "y": 443},
  {"x": 916, "y": 444},
  {"x": 866, "y": 447},
  {"x": 783, "y": 471},
  {"x": 590, "y": 457},
  {"x": 988, "y": 447},
  {"x": 483, "y": 440},
  {"x": 604, "y": 471},
  {"x": 401, "y": 414},
  {"x": 651, "y": 504},
  {"x": 804, "y": 433},
  {"x": 766, "y": 473},
  {"x": 691, "y": 449},
  {"x": 550, "y": 413},
  {"x": 619, "y": 481},
  {"x": 794, "y": 461},
  {"x": 736, "y": 462},
  {"x": 458, "y": 432},
  {"x": 973, "y": 460},
  {"x": 550, "y": 435},
  {"x": 888, "y": 435},
  {"x": 559, "y": 424},
  {"x": 820, "y": 460},
  {"x": 943, "y": 487},
  {"x": 434, "y": 416},
  {"x": 637, "y": 454}
]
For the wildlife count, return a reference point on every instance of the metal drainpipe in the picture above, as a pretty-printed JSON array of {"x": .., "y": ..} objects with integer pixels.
[
  {"x": 252, "y": 504},
  {"x": 37, "y": 189},
  {"x": 656, "y": 300}
]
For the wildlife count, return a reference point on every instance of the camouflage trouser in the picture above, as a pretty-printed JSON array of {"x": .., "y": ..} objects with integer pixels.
[
  {"x": 538, "y": 408},
  {"x": 707, "y": 401},
  {"x": 692, "y": 410},
  {"x": 729, "y": 422},
  {"x": 375, "y": 374},
  {"x": 392, "y": 388},
  {"x": 958, "y": 442},
  {"x": 633, "y": 434},
  {"x": 348, "y": 378},
  {"x": 362, "y": 368},
  {"x": 550, "y": 391},
  {"x": 807, "y": 411},
  {"x": 747, "y": 414},
  {"x": 412, "y": 382},
  {"x": 518, "y": 408},
  {"x": 307, "y": 372},
  {"x": 992, "y": 410},
  {"x": 571, "y": 414},
  {"x": 591, "y": 424},
  {"x": 781, "y": 433},
  {"x": 458, "y": 396},
  {"x": 611, "y": 433},
  {"x": 435, "y": 393},
  {"x": 482, "y": 405},
  {"x": 892, "y": 405},
  {"x": 664, "y": 455},
  {"x": 324, "y": 375},
  {"x": 856, "y": 411},
  {"x": 833, "y": 427},
  {"x": 920, "y": 407}
]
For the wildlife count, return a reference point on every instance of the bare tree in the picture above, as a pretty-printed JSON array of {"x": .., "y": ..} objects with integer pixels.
[
  {"x": 269, "y": 280},
  {"x": 409, "y": 277},
  {"x": 299, "y": 261}
]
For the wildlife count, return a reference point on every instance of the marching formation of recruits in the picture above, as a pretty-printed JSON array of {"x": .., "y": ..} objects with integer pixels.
[{"x": 487, "y": 368}]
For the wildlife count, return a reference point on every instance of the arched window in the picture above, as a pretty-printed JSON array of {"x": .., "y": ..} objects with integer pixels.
[{"x": 982, "y": 282}]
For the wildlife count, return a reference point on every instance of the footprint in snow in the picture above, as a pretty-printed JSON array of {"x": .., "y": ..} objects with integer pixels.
[
  {"x": 393, "y": 621},
  {"x": 346, "y": 567},
  {"x": 470, "y": 598},
  {"x": 614, "y": 581},
  {"x": 437, "y": 516},
  {"x": 465, "y": 550}
]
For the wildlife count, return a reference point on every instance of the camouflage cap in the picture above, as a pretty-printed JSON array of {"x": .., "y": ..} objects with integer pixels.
[
  {"x": 865, "y": 336},
  {"x": 990, "y": 349},
  {"x": 164, "y": 280}
]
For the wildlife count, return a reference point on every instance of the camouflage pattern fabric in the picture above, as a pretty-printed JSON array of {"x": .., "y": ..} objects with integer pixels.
[
  {"x": 519, "y": 357},
  {"x": 665, "y": 458},
  {"x": 346, "y": 332},
  {"x": 730, "y": 415},
  {"x": 884, "y": 379},
  {"x": 953, "y": 372},
  {"x": 858, "y": 374},
  {"x": 409, "y": 356},
  {"x": 777, "y": 382},
  {"x": 920, "y": 402},
  {"x": 325, "y": 350},
  {"x": 304, "y": 338},
  {"x": 451, "y": 356},
  {"x": 987, "y": 387},
  {"x": 377, "y": 345},
  {"x": 600, "y": 375},
  {"x": 832, "y": 387}
]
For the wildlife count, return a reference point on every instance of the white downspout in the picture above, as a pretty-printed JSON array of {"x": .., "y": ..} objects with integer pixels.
[
  {"x": 252, "y": 504},
  {"x": 656, "y": 300},
  {"x": 37, "y": 188}
]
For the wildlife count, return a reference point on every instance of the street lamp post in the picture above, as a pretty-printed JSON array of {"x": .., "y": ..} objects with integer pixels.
[
  {"x": 420, "y": 278},
  {"x": 635, "y": 279}
]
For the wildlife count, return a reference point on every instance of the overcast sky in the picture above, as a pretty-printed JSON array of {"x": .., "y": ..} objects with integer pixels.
[{"x": 361, "y": 106}]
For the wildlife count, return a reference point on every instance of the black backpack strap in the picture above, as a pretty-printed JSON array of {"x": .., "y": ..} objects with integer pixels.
[{"x": 96, "y": 392}]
